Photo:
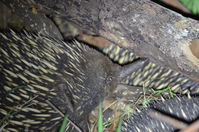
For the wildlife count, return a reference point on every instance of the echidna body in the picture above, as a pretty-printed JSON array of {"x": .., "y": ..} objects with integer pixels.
[
  {"x": 36, "y": 70},
  {"x": 183, "y": 109},
  {"x": 152, "y": 75}
]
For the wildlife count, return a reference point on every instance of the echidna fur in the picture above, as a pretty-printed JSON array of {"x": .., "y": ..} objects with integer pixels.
[{"x": 183, "y": 109}]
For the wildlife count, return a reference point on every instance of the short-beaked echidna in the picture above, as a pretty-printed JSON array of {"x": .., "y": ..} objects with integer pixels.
[
  {"x": 149, "y": 76},
  {"x": 183, "y": 109},
  {"x": 36, "y": 70},
  {"x": 152, "y": 75}
]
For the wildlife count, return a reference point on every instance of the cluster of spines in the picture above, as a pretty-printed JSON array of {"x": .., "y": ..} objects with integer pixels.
[
  {"x": 157, "y": 77},
  {"x": 30, "y": 64},
  {"x": 120, "y": 55},
  {"x": 151, "y": 75},
  {"x": 180, "y": 108}
]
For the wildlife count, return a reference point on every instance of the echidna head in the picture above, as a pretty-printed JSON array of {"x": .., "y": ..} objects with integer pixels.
[
  {"x": 101, "y": 78},
  {"x": 102, "y": 75}
]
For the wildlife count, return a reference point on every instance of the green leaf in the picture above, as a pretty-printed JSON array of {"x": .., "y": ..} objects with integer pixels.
[
  {"x": 192, "y": 5},
  {"x": 168, "y": 89},
  {"x": 145, "y": 102}
]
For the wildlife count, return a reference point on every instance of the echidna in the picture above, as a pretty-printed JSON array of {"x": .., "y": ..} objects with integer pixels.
[
  {"x": 40, "y": 73},
  {"x": 181, "y": 109},
  {"x": 152, "y": 75},
  {"x": 149, "y": 76}
]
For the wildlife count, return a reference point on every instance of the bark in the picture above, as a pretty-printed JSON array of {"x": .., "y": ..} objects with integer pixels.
[
  {"x": 27, "y": 17},
  {"x": 152, "y": 31}
]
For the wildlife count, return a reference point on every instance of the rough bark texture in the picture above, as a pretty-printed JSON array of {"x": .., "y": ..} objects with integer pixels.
[
  {"x": 150, "y": 30},
  {"x": 28, "y": 16}
]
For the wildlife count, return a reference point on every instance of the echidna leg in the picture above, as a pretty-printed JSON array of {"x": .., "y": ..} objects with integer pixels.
[
  {"x": 132, "y": 67},
  {"x": 127, "y": 91}
]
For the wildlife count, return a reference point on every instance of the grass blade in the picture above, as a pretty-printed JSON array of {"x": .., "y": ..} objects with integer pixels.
[
  {"x": 119, "y": 125},
  {"x": 100, "y": 119},
  {"x": 64, "y": 124}
]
